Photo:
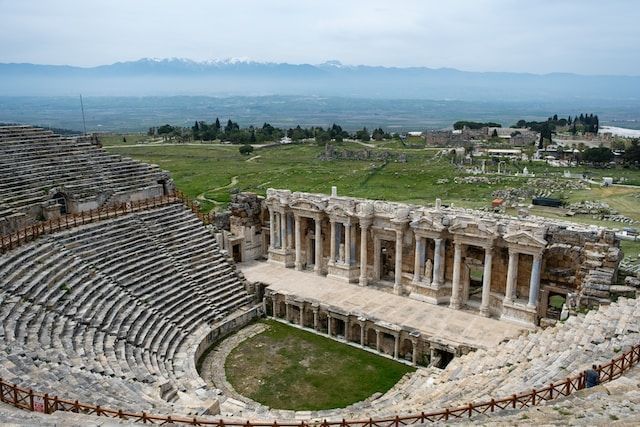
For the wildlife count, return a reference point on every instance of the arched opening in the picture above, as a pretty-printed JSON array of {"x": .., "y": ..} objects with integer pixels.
[
  {"x": 406, "y": 350},
  {"x": 440, "y": 358},
  {"x": 387, "y": 343},
  {"x": 165, "y": 189},
  {"x": 307, "y": 318},
  {"x": 338, "y": 328},
  {"x": 371, "y": 338},
  {"x": 323, "y": 322},
  {"x": 61, "y": 200},
  {"x": 282, "y": 309},
  {"x": 354, "y": 334}
]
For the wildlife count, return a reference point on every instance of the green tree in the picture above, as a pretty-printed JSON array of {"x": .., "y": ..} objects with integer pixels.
[
  {"x": 245, "y": 149},
  {"x": 632, "y": 154},
  {"x": 597, "y": 155}
]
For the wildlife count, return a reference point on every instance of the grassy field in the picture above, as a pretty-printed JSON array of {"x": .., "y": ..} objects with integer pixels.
[
  {"x": 207, "y": 171},
  {"x": 211, "y": 172},
  {"x": 287, "y": 368}
]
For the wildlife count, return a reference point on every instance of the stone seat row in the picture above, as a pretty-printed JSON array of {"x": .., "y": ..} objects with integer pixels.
[
  {"x": 530, "y": 361},
  {"x": 33, "y": 162},
  {"x": 109, "y": 300}
]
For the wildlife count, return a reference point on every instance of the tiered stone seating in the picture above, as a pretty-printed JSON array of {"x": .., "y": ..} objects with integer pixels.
[
  {"x": 34, "y": 161},
  {"x": 109, "y": 313},
  {"x": 530, "y": 361}
]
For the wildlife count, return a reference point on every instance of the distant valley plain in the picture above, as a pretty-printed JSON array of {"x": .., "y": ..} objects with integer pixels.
[{"x": 137, "y": 114}]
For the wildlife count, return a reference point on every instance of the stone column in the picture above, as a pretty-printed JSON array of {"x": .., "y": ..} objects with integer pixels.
[
  {"x": 272, "y": 228},
  {"x": 396, "y": 345},
  {"x": 283, "y": 230},
  {"x": 332, "y": 253},
  {"x": 512, "y": 276},
  {"x": 377, "y": 248},
  {"x": 362, "y": 334},
  {"x": 329, "y": 322},
  {"x": 315, "y": 318},
  {"x": 486, "y": 281},
  {"x": 414, "y": 354},
  {"x": 378, "y": 340},
  {"x": 353, "y": 245},
  {"x": 417, "y": 270},
  {"x": 301, "y": 320},
  {"x": 298, "y": 263},
  {"x": 318, "y": 261},
  {"x": 275, "y": 306},
  {"x": 289, "y": 231},
  {"x": 455, "y": 286},
  {"x": 286, "y": 312},
  {"x": 347, "y": 243},
  {"x": 398, "y": 267},
  {"x": 346, "y": 329},
  {"x": 364, "y": 225},
  {"x": 438, "y": 263},
  {"x": 534, "y": 284}
]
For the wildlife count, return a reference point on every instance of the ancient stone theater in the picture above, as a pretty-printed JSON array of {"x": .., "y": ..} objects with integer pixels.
[{"x": 113, "y": 287}]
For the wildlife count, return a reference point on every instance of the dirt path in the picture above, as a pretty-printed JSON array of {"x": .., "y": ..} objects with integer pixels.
[
  {"x": 253, "y": 158},
  {"x": 201, "y": 196}
]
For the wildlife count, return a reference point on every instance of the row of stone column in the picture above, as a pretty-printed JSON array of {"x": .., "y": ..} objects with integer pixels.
[
  {"x": 512, "y": 276},
  {"x": 280, "y": 229},
  {"x": 347, "y": 328}
]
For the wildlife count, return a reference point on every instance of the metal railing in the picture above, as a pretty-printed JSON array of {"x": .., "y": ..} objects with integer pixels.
[
  {"x": 68, "y": 221},
  {"x": 29, "y": 400}
]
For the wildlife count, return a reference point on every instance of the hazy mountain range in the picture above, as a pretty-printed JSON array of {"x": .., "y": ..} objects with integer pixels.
[{"x": 164, "y": 77}]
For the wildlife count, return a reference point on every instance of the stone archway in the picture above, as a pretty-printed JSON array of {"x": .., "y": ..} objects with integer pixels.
[
  {"x": 61, "y": 199},
  {"x": 406, "y": 350},
  {"x": 354, "y": 333}
]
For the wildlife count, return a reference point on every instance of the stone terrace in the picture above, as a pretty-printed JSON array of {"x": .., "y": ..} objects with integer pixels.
[
  {"x": 43, "y": 175},
  {"x": 112, "y": 313}
]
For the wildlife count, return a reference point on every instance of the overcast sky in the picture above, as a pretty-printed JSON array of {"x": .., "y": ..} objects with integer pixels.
[{"x": 538, "y": 36}]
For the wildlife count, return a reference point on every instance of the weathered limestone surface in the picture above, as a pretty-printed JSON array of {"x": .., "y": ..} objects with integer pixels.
[
  {"x": 499, "y": 266},
  {"x": 114, "y": 313},
  {"x": 43, "y": 175}
]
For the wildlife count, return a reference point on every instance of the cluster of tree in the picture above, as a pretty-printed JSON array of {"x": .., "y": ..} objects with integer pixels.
[
  {"x": 597, "y": 155},
  {"x": 232, "y": 132},
  {"x": 632, "y": 153},
  {"x": 460, "y": 124},
  {"x": 585, "y": 123}
]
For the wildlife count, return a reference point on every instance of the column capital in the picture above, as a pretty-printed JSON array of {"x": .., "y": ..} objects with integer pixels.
[{"x": 365, "y": 221}]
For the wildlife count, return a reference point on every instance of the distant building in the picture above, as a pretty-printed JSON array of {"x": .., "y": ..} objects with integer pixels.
[{"x": 285, "y": 140}]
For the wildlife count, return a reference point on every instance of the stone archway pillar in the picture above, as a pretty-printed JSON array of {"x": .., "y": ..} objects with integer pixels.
[
  {"x": 272, "y": 228},
  {"x": 317, "y": 268},
  {"x": 486, "y": 281},
  {"x": 534, "y": 283},
  {"x": 512, "y": 276},
  {"x": 397, "y": 284},
  {"x": 298, "y": 237},
  {"x": 455, "y": 286},
  {"x": 364, "y": 226}
]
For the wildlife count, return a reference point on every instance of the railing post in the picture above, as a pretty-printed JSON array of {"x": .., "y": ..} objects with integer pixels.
[
  {"x": 470, "y": 408},
  {"x": 446, "y": 414},
  {"x": 31, "y": 399},
  {"x": 15, "y": 395},
  {"x": 47, "y": 410},
  {"x": 514, "y": 399},
  {"x": 533, "y": 397}
]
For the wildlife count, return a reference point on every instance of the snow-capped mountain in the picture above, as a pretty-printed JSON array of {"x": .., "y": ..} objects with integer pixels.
[{"x": 242, "y": 76}]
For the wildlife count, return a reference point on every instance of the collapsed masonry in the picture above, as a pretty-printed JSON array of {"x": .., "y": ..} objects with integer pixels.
[{"x": 499, "y": 266}]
